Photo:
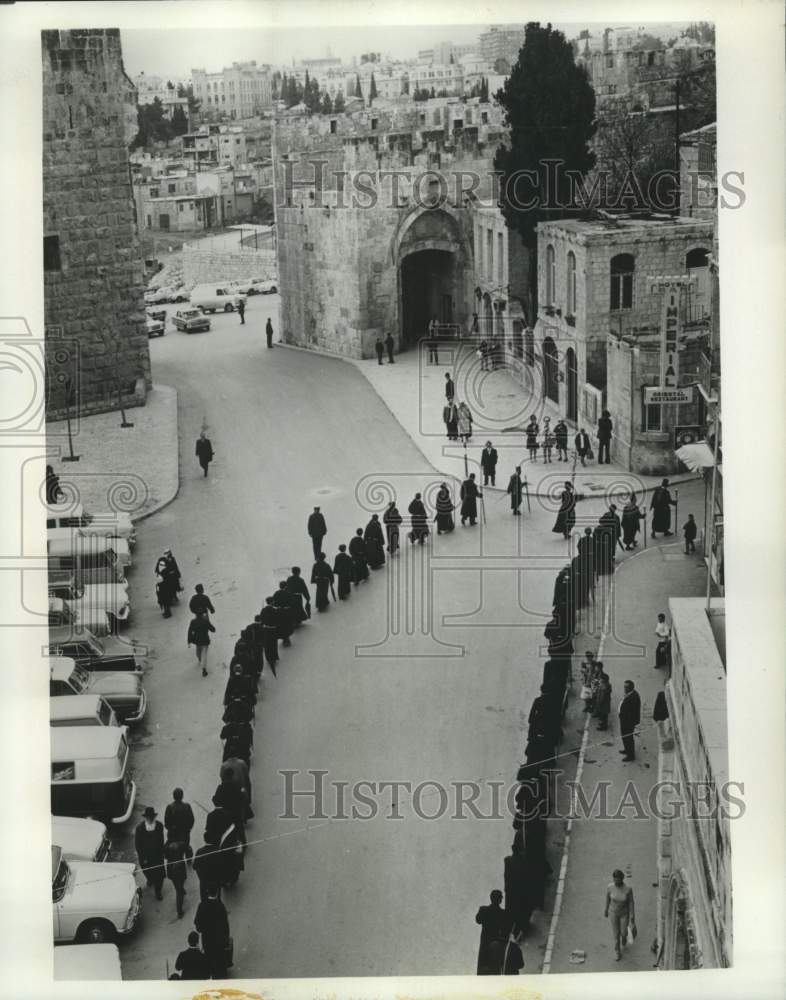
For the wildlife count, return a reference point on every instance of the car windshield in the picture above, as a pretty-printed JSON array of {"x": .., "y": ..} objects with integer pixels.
[
  {"x": 80, "y": 679},
  {"x": 60, "y": 881}
]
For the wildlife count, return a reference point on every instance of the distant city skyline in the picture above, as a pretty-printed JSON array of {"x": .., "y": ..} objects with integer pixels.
[{"x": 175, "y": 52}]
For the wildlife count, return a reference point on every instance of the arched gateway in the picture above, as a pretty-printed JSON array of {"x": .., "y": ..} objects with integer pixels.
[{"x": 431, "y": 258}]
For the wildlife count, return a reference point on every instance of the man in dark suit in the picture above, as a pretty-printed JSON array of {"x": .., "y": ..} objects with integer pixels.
[
  {"x": 390, "y": 345},
  {"x": 317, "y": 529},
  {"x": 192, "y": 963},
  {"x": 496, "y": 924},
  {"x": 630, "y": 717},
  {"x": 212, "y": 923},
  {"x": 179, "y": 821},
  {"x": 488, "y": 462},
  {"x": 583, "y": 446},
  {"x": 450, "y": 388}
]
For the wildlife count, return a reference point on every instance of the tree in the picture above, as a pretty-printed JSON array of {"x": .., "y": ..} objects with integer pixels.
[
  {"x": 339, "y": 104},
  {"x": 170, "y": 85},
  {"x": 372, "y": 89},
  {"x": 193, "y": 104},
  {"x": 549, "y": 107},
  {"x": 358, "y": 88},
  {"x": 484, "y": 89},
  {"x": 432, "y": 93},
  {"x": 153, "y": 124},
  {"x": 405, "y": 85},
  {"x": 179, "y": 121}
]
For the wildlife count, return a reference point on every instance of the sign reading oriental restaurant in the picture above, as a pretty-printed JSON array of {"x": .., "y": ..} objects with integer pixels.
[{"x": 670, "y": 287}]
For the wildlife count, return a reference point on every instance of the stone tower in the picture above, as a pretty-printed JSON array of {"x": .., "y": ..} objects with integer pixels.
[{"x": 96, "y": 338}]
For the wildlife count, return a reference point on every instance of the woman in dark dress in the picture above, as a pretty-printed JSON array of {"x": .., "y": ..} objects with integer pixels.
[
  {"x": 418, "y": 520},
  {"x": 445, "y": 508},
  {"x": 375, "y": 543},
  {"x": 532, "y": 430},
  {"x": 344, "y": 571},
  {"x": 322, "y": 578},
  {"x": 631, "y": 522},
  {"x": 357, "y": 549},
  {"x": 566, "y": 516}
]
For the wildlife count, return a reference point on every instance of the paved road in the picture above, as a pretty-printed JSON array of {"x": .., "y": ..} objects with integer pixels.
[{"x": 374, "y": 897}]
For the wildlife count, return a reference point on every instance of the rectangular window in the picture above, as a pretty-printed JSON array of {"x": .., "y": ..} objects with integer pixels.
[
  {"x": 484, "y": 117},
  {"x": 180, "y": 206},
  {"x": 650, "y": 415},
  {"x": 500, "y": 263},
  {"x": 333, "y": 126},
  {"x": 490, "y": 254},
  {"x": 52, "y": 253},
  {"x": 621, "y": 291},
  {"x": 171, "y": 188},
  {"x": 373, "y": 124}
]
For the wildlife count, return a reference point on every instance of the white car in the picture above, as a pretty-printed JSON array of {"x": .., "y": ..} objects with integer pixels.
[
  {"x": 80, "y": 839},
  {"x": 163, "y": 294},
  {"x": 86, "y": 600},
  {"x": 91, "y": 543},
  {"x": 96, "y": 620},
  {"x": 256, "y": 286},
  {"x": 219, "y": 297},
  {"x": 93, "y": 903},
  {"x": 115, "y": 524},
  {"x": 88, "y": 962},
  {"x": 155, "y": 328}
]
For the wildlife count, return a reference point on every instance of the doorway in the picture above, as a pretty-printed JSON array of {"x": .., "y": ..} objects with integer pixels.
[
  {"x": 573, "y": 379},
  {"x": 550, "y": 370},
  {"x": 427, "y": 290}
]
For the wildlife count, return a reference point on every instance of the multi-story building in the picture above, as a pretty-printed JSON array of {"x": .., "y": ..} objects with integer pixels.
[
  {"x": 445, "y": 52},
  {"x": 501, "y": 41},
  {"x": 152, "y": 88},
  {"x": 241, "y": 90},
  {"x": 200, "y": 148},
  {"x": 600, "y": 337},
  {"x": 437, "y": 76},
  {"x": 699, "y": 173},
  {"x": 97, "y": 352},
  {"x": 694, "y": 914}
]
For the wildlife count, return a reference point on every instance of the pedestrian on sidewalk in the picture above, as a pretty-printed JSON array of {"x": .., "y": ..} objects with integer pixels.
[
  {"x": 630, "y": 717},
  {"x": 445, "y": 508},
  {"x": 566, "y": 515},
  {"x": 488, "y": 463},
  {"x": 179, "y": 821},
  {"x": 464, "y": 422},
  {"x": 561, "y": 440},
  {"x": 390, "y": 345},
  {"x": 269, "y": 332},
  {"x": 620, "y": 909},
  {"x": 495, "y": 929},
  {"x": 483, "y": 353},
  {"x": 418, "y": 521},
  {"x": 289, "y": 611},
  {"x": 374, "y": 540},
  {"x": 322, "y": 578},
  {"x": 469, "y": 500},
  {"x": 213, "y": 924},
  {"x": 518, "y": 904},
  {"x": 586, "y": 557},
  {"x": 515, "y": 491},
  {"x": 663, "y": 649},
  {"x": 209, "y": 867},
  {"x": 660, "y": 714},
  {"x": 631, "y": 522},
  {"x": 168, "y": 584},
  {"x": 204, "y": 451},
  {"x": 268, "y": 619},
  {"x": 192, "y": 963},
  {"x": 296, "y": 585},
  {"x": 392, "y": 521},
  {"x": 343, "y": 570},
  {"x": 357, "y": 549},
  {"x": 689, "y": 531},
  {"x": 379, "y": 347},
  {"x": 149, "y": 846},
  {"x": 241, "y": 311},
  {"x": 583, "y": 446},
  {"x": 602, "y": 697},
  {"x": 240, "y": 685},
  {"x": 605, "y": 428},
  {"x": 450, "y": 388},
  {"x": 177, "y": 870},
  {"x": 200, "y": 603},
  {"x": 317, "y": 529},
  {"x": 199, "y": 631},
  {"x": 660, "y": 506},
  {"x": 450, "y": 417},
  {"x": 433, "y": 333},
  {"x": 532, "y": 431},
  {"x": 548, "y": 440}
]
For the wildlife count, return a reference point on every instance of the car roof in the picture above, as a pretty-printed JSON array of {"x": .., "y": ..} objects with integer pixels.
[
  {"x": 62, "y": 634},
  {"x": 85, "y": 742},
  {"x": 72, "y": 706},
  {"x": 87, "y": 962},
  {"x": 60, "y": 666}
]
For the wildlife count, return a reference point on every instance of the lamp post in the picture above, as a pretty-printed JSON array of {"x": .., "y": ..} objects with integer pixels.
[{"x": 68, "y": 383}]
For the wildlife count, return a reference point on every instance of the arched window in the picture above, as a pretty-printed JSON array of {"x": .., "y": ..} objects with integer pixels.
[
  {"x": 623, "y": 269},
  {"x": 571, "y": 284},
  {"x": 551, "y": 275}
]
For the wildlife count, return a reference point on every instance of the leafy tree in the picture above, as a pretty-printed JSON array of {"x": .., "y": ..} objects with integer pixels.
[
  {"x": 432, "y": 93},
  {"x": 193, "y": 104},
  {"x": 326, "y": 104},
  {"x": 484, "y": 89},
  {"x": 179, "y": 121},
  {"x": 170, "y": 85},
  {"x": 421, "y": 94},
  {"x": 501, "y": 66},
  {"x": 153, "y": 124},
  {"x": 372, "y": 89},
  {"x": 339, "y": 104},
  {"x": 351, "y": 88},
  {"x": 549, "y": 107}
]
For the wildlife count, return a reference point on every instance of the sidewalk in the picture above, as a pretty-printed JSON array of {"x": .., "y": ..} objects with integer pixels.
[
  {"x": 642, "y": 586},
  {"x": 133, "y": 469},
  {"x": 414, "y": 392}
]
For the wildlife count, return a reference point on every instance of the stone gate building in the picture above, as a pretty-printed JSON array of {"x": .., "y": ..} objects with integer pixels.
[
  {"x": 96, "y": 338},
  {"x": 374, "y": 221}
]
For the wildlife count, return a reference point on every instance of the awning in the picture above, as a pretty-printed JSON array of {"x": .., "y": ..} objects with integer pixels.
[{"x": 696, "y": 456}]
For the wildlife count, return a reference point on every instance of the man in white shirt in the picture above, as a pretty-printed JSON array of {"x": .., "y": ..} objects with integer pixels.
[{"x": 663, "y": 651}]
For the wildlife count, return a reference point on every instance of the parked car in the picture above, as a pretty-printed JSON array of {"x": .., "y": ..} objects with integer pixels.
[
  {"x": 93, "y": 544},
  {"x": 111, "y": 524},
  {"x": 80, "y": 839},
  {"x": 87, "y": 564},
  {"x": 107, "y": 653},
  {"x": 163, "y": 294},
  {"x": 91, "y": 773},
  {"x": 155, "y": 327},
  {"x": 178, "y": 293},
  {"x": 87, "y": 962},
  {"x": 256, "y": 286},
  {"x": 157, "y": 315},
  {"x": 86, "y": 600},
  {"x": 93, "y": 904},
  {"x": 210, "y": 298},
  {"x": 190, "y": 320},
  {"x": 123, "y": 692},
  {"x": 96, "y": 620},
  {"x": 80, "y": 710}
]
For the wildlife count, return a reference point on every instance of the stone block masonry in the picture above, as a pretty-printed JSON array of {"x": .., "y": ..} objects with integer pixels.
[
  {"x": 206, "y": 265},
  {"x": 96, "y": 339}
]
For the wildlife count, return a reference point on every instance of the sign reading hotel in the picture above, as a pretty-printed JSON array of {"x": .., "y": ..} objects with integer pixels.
[{"x": 670, "y": 329}]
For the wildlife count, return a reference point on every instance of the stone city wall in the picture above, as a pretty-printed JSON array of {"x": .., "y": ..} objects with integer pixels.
[
  {"x": 202, "y": 266},
  {"x": 93, "y": 268}
]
